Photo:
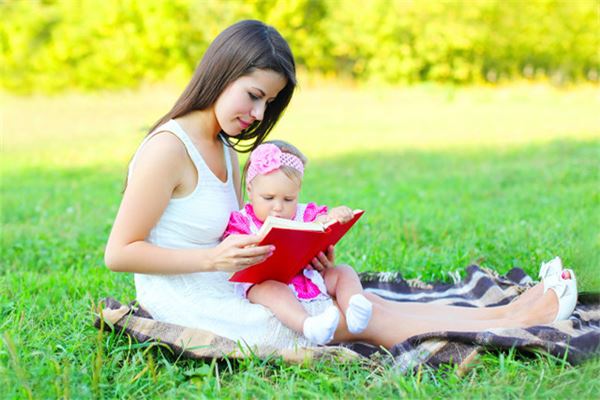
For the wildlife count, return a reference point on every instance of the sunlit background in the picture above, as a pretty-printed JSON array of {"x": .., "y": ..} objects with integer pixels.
[
  {"x": 468, "y": 130},
  {"x": 53, "y": 46},
  {"x": 83, "y": 80},
  {"x": 374, "y": 74}
]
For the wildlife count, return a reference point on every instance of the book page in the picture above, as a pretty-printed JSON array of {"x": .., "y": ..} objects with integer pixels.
[{"x": 272, "y": 222}]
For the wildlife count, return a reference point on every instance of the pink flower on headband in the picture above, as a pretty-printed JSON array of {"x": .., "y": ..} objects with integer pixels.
[{"x": 266, "y": 158}]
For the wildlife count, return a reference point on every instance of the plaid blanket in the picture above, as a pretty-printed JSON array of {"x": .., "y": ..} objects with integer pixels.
[{"x": 573, "y": 340}]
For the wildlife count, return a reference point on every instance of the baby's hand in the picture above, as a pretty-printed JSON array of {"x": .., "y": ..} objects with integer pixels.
[{"x": 341, "y": 213}]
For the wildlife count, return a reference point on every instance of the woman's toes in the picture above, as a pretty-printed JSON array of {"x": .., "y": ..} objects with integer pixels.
[{"x": 566, "y": 274}]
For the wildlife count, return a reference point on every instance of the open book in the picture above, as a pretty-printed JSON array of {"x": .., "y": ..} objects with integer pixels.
[{"x": 296, "y": 244}]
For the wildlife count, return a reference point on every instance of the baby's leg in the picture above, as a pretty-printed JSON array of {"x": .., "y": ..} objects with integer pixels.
[
  {"x": 280, "y": 299},
  {"x": 343, "y": 283}
]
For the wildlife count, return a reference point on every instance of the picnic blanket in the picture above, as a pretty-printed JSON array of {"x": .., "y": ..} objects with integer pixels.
[{"x": 574, "y": 340}]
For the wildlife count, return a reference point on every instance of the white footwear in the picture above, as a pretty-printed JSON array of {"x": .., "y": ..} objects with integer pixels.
[
  {"x": 566, "y": 291},
  {"x": 552, "y": 267},
  {"x": 320, "y": 328},
  {"x": 358, "y": 313}
]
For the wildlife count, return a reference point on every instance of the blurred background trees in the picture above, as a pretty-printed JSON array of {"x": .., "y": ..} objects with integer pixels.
[{"x": 50, "y": 46}]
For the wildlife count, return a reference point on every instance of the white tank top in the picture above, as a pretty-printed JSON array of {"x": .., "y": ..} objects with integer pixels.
[{"x": 199, "y": 219}]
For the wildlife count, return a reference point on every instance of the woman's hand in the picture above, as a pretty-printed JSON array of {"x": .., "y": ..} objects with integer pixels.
[
  {"x": 237, "y": 252},
  {"x": 324, "y": 260}
]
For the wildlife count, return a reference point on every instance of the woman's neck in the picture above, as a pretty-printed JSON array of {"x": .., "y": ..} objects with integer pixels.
[{"x": 200, "y": 125}]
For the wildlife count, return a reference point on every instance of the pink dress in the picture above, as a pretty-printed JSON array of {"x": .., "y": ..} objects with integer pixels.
[{"x": 307, "y": 285}]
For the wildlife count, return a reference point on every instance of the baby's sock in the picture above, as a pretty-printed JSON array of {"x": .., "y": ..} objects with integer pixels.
[
  {"x": 358, "y": 313},
  {"x": 320, "y": 328}
]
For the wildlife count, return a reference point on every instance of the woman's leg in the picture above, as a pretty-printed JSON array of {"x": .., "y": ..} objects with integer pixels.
[
  {"x": 525, "y": 300},
  {"x": 433, "y": 310},
  {"x": 391, "y": 325},
  {"x": 529, "y": 297}
]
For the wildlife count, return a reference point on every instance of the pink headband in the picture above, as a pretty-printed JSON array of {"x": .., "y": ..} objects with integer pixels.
[{"x": 267, "y": 158}]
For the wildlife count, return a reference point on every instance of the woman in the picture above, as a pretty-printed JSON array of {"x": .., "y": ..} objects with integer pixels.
[{"x": 184, "y": 182}]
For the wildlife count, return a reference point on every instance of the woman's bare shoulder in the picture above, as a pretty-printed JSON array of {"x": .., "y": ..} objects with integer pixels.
[
  {"x": 164, "y": 144},
  {"x": 164, "y": 147},
  {"x": 162, "y": 152}
]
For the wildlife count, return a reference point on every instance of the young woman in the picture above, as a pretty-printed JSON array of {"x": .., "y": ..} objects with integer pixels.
[{"x": 184, "y": 182}]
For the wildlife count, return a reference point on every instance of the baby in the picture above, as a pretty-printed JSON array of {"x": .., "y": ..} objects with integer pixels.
[{"x": 274, "y": 174}]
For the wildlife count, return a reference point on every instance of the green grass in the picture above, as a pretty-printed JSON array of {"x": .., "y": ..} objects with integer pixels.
[{"x": 448, "y": 177}]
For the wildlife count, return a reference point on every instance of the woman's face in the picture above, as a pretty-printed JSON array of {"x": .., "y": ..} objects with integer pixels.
[{"x": 245, "y": 100}]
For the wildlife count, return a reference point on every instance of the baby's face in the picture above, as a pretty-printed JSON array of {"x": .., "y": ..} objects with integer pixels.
[{"x": 273, "y": 194}]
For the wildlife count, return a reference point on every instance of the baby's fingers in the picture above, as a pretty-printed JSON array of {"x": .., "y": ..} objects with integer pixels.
[
  {"x": 344, "y": 214},
  {"x": 316, "y": 264},
  {"x": 345, "y": 218},
  {"x": 331, "y": 254},
  {"x": 325, "y": 260}
]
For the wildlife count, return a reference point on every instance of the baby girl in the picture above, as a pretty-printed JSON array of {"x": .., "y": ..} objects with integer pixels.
[{"x": 273, "y": 176}]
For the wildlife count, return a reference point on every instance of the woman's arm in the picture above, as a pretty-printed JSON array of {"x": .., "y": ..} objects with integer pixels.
[{"x": 159, "y": 168}]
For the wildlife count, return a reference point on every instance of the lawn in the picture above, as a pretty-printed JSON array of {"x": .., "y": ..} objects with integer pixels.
[{"x": 500, "y": 177}]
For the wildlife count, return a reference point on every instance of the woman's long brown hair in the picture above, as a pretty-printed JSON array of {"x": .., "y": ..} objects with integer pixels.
[{"x": 237, "y": 51}]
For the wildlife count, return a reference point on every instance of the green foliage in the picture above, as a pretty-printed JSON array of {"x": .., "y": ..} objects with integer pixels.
[
  {"x": 50, "y": 46},
  {"x": 405, "y": 41}
]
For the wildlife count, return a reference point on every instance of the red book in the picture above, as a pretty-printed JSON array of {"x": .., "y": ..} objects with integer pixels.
[{"x": 296, "y": 244}]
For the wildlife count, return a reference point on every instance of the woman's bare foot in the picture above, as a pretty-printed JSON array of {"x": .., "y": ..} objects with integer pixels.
[
  {"x": 533, "y": 294},
  {"x": 543, "y": 310}
]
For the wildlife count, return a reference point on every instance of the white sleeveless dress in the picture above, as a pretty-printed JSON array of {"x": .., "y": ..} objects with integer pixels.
[{"x": 206, "y": 300}]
